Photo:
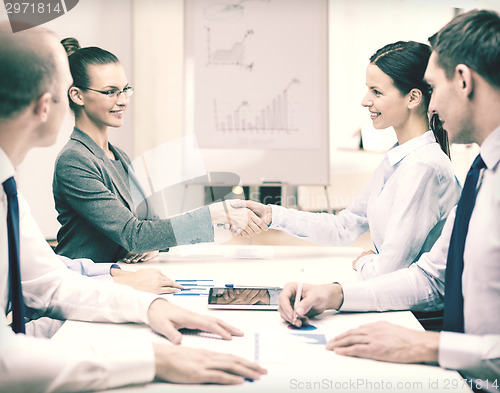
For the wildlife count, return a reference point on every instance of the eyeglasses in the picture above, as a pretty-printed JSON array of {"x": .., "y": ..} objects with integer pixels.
[{"x": 114, "y": 93}]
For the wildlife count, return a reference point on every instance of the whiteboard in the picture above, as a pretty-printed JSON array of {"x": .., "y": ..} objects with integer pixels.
[{"x": 257, "y": 88}]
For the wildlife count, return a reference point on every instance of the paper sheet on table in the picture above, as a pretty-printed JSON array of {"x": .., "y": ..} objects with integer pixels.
[{"x": 265, "y": 347}]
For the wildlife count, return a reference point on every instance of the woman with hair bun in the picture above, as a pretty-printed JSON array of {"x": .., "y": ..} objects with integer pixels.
[
  {"x": 411, "y": 193},
  {"x": 94, "y": 180}
]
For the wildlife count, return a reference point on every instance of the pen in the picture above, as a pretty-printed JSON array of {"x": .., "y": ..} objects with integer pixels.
[{"x": 298, "y": 296}]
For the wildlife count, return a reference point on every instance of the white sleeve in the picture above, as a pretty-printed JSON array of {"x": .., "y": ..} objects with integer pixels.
[
  {"x": 89, "y": 268},
  {"x": 338, "y": 229},
  {"x": 49, "y": 286},
  {"x": 471, "y": 354},
  {"x": 36, "y": 364},
  {"x": 41, "y": 365},
  {"x": 419, "y": 287}
]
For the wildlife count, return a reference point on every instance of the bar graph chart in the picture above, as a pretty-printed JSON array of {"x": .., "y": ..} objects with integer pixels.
[{"x": 274, "y": 116}]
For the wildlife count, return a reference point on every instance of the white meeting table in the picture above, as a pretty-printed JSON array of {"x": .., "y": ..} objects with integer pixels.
[{"x": 296, "y": 360}]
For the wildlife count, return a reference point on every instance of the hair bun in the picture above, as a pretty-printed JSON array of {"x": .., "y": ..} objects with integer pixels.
[{"x": 71, "y": 45}]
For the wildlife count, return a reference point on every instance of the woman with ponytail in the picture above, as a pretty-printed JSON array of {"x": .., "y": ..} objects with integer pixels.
[
  {"x": 94, "y": 181},
  {"x": 411, "y": 193}
]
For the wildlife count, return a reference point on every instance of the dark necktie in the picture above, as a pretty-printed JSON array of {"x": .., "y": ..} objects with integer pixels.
[
  {"x": 453, "y": 297},
  {"x": 15, "y": 290}
]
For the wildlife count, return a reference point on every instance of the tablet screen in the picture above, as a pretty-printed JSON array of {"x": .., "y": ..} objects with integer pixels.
[{"x": 244, "y": 298}]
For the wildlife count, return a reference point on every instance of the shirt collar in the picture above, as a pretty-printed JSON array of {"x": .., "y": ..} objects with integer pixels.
[
  {"x": 490, "y": 149},
  {"x": 398, "y": 152},
  {"x": 6, "y": 167}
]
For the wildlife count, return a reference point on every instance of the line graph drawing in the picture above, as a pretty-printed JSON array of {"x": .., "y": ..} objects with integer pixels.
[
  {"x": 275, "y": 116},
  {"x": 227, "y": 11},
  {"x": 251, "y": 120},
  {"x": 233, "y": 56}
]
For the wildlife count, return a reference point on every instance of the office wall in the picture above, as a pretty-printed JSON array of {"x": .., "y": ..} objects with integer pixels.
[
  {"x": 158, "y": 48},
  {"x": 159, "y": 101},
  {"x": 106, "y": 24}
]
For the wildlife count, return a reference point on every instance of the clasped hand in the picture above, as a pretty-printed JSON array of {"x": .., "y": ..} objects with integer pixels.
[{"x": 236, "y": 215}]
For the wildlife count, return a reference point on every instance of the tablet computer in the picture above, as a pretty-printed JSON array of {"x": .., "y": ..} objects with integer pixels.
[{"x": 244, "y": 298}]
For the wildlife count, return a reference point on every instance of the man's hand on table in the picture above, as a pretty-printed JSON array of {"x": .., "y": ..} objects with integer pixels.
[
  {"x": 388, "y": 342},
  {"x": 192, "y": 365}
]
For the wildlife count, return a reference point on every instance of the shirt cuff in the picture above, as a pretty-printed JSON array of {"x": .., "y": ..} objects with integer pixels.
[
  {"x": 459, "y": 351},
  {"x": 104, "y": 277},
  {"x": 100, "y": 269},
  {"x": 357, "y": 297},
  {"x": 360, "y": 264},
  {"x": 278, "y": 217},
  {"x": 107, "y": 276}
]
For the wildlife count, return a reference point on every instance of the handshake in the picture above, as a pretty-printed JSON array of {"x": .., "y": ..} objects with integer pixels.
[{"x": 243, "y": 218}]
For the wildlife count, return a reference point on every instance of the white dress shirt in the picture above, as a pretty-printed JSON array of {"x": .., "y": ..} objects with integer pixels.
[
  {"x": 87, "y": 267},
  {"x": 404, "y": 206},
  {"x": 421, "y": 287},
  {"x": 39, "y": 365}
]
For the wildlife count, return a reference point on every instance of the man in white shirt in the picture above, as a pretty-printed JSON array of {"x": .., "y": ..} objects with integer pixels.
[
  {"x": 34, "y": 80},
  {"x": 464, "y": 73}
]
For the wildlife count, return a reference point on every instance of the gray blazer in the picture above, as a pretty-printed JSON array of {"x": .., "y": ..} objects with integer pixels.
[{"x": 96, "y": 209}]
